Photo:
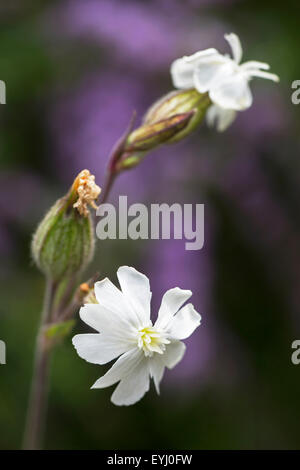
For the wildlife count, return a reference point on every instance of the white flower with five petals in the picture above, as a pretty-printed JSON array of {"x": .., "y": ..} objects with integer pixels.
[
  {"x": 125, "y": 331},
  {"x": 225, "y": 79}
]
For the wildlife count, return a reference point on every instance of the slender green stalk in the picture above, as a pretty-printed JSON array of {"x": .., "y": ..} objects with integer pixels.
[{"x": 39, "y": 386}]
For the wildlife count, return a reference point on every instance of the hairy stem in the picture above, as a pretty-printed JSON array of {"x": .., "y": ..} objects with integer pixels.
[{"x": 39, "y": 386}]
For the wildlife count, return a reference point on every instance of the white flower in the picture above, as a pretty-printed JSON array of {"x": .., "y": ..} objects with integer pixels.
[
  {"x": 122, "y": 319},
  {"x": 222, "y": 77}
]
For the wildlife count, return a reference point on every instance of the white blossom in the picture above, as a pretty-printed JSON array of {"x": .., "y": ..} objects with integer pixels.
[
  {"x": 225, "y": 79},
  {"x": 125, "y": 331}
]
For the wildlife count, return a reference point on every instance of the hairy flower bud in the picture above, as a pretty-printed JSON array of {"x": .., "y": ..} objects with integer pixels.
[
  {"x": 177, "y": 102},
  {"x": 150, "y": 135},
  {"x": 169, "y": 120},
  {"x": 63, "y": 243}
]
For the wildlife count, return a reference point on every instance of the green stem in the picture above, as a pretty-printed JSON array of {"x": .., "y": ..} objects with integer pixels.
[{"x": 36, "y": 413}]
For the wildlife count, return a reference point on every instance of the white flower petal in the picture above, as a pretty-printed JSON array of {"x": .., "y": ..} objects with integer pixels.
[
  {"x": 182, "y": 69},
  {"x": 95, "y": 316},
  {"x": 121, "y": 368},
  {"x": 99, "y": 348},
  {"x": 254, "y": 64},
  {"x": 194, "y": 58},
  {"x": 171, "y": 302},
  {"x": 182, "y": 74},
  {"x": 126, "y": 334},
  {"x": 220, "y": 117},
  {"x": 103, "y": 320},
  {"x": 134, "y": 386},
  {"x": 112, "y": 299},
  {"x": 235, "y": 45},
  {"x": 136, "y": 288},
  {"x": 210, "y": 72},
  {"x": 232, "y": 93},
  {"x": 224, "y": 78},
  {"x": 173, "y": 354},
  {"x": 157, "y": 368},
  {"x": 184, "y": 322},
  {"x": 261, "y": 74}
]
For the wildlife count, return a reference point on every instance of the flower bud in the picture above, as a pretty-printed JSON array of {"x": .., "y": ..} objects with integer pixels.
[
  {"x": 169, "y": 120},
  {"x": 177, "y": 102},
  {"x": 150, "y": 135},
  {"x": 63, "y": 244}
]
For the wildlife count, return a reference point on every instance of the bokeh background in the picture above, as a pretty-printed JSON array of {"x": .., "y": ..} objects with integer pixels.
[{"x": 75, "y": 71}]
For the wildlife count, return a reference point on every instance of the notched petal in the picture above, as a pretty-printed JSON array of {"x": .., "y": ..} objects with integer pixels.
[{"x": 184, "y": 323}]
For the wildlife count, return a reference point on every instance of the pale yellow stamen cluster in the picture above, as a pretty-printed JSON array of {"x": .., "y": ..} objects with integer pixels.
[
  {"x": 87, "y": 191},
  {"x": 151, "y": 340}
]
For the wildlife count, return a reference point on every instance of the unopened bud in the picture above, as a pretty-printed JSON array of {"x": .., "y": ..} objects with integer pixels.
[
  {"x": 151, "y": 135},
  {"x": 169, "y": 120},
  {"x": 63, "y": 243},
  {"x": 177, "y": 102}
]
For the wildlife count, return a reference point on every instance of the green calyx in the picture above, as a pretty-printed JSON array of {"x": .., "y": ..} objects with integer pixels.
[
  {"x": 169, "y": 120},
  {"x": 63, "y": 243}
]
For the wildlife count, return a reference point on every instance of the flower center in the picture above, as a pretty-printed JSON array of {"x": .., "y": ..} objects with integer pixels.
[{"x": 151, "y": 341}]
